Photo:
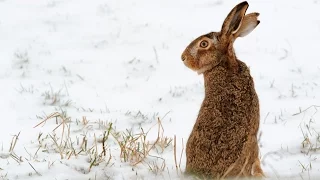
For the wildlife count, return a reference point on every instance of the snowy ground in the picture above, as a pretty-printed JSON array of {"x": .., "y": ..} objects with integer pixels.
[{"x": 111, "y": 68}]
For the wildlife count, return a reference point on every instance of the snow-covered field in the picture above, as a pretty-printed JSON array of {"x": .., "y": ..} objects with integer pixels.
[{"x": 110, "y": 71}]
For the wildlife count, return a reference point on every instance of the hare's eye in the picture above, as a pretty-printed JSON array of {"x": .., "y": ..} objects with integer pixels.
[{"x": 204, "y": 44}]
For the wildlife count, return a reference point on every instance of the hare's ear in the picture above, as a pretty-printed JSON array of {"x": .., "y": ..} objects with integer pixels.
[
  {"x": 233, "y": 21},
  {"x": 249, "y": 23}
]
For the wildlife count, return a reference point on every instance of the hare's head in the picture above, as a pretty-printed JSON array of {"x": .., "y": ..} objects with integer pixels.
[{"x": 207, "y": 51}]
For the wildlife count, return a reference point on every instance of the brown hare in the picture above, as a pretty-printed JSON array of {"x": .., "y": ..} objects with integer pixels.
[{"x": 223, "y": 141}]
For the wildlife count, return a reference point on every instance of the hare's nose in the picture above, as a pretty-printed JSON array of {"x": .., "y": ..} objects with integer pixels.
[{"x": 183, "y": 57}]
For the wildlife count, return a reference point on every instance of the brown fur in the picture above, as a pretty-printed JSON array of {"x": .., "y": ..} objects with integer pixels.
[{"x": 223, "y": 141}]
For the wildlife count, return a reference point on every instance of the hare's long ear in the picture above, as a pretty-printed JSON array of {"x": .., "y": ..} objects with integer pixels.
[
  {"x": 249, "y": 23},
  {"x": 233, "y": 21}
]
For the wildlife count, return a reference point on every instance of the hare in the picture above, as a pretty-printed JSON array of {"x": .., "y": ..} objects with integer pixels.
[{"x": 223, "y": 141}]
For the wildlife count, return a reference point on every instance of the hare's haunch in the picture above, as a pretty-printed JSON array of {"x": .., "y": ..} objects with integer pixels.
[{"x": 223, "y": 141}]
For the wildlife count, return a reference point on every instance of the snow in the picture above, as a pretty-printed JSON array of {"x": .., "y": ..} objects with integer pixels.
[{"x": 100, "y": 62}]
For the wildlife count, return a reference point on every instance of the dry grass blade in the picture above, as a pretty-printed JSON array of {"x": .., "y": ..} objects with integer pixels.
[
  {"x": 55, "y": 114},
  {"x": 155, "y": 168},
  {"x": 59, "y": 147},
  {"x": 105, "y": 138},
  {"x": 135, "y": 148},
  {"x": 175, "y": 152},
  {"x": 14, "y": 142},
  {"x": 302, "y": 111},
  {"x": 16, "y": 157},
  {"x": 34, "y": 169},
  {"x": 145, "y": 144},
  {"x": 181, "y": 155}
]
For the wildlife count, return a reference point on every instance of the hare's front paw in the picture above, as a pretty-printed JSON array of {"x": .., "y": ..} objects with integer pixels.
[
  {"x": 259, "y": 176},
  {"x": 257, "y": 172}
]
